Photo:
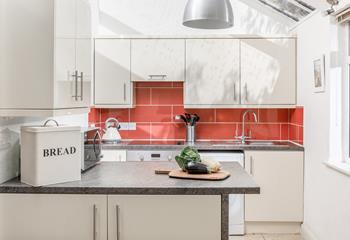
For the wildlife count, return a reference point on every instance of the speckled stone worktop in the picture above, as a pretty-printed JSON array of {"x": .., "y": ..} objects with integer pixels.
[
  {"x": 139, "y": 178},
  {"x": 206, "y": 145}
]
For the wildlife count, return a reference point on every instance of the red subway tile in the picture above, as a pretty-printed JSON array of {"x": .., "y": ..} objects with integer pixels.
[
  {"x": 121, "y": 114},
  {"x": 233, "y": 115},
  {"x": 293, "y": 133},
  {"x": 274, "y": 115},
  {"x": 143, "y": 96},
  {"x": 94, "y": 115},
  {"x": 262, "y": 131},
  {"x": 206, "y": 131},
  {"x": 168, "y": 131},
  {"x": 167, "y": 96},
  {"x": 301, "y": 135},
  {"x": 153, "y": 84},
  {"x": 206, "y": 115},
  {"x": 151, "y": 114},
  {"x": 143, "y": 131},
  {"x": 297, "y": 116},
  {"x": 285, "y": 132},
  {"x": 178, "y": 84}
]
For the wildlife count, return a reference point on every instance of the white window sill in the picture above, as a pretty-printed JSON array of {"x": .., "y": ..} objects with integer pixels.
[{"x": 343, "y": 168}]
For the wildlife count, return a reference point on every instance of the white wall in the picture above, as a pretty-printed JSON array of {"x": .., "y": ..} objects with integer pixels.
[
  {"x": 327, "y": 192},
  {"x": 164, "y": 17}
]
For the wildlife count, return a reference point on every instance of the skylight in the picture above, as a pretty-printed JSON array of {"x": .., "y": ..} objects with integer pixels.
[{"x": 294, "y": 9}]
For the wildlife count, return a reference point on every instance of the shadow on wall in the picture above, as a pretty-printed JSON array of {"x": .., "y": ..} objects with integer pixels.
[{"x": 116, "y": 26}]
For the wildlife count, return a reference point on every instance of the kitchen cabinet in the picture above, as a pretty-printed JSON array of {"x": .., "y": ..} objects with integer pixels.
[
  {"x": 113, "y": 87},
  {"x": 160, "y": 217},
  {"x": 280, "y": 176},
  {"x": 52, "y": 216},
  {"x": 212, "y": 73},
  {"x": 49, "y": 64},
  {"x": 113, "y": 155},
  {"x": 268, "y": 71},
  {"x": 158, "y": 59}
]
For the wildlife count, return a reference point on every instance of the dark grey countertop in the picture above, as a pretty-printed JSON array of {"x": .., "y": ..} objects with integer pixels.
[
  {"x": 206, "y": 145},
  {"x": 139, "y": 178}
]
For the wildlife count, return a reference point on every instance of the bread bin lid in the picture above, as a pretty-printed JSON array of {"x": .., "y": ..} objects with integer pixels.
[{"x": 50, "y": 128}]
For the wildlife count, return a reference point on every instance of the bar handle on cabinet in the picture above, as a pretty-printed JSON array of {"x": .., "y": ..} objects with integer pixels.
[
  {"x": 117, "y": 221},
  {"x": 251, "y": 167},
  {"x": 157, "y": 77},
  {"x": 234, "y": 92},
  {"x": 124, "y": 89},
  {"x": 94, "y": 222},
  {"x": 81, "y": 85},
  {"x": 76, "y": 76}
]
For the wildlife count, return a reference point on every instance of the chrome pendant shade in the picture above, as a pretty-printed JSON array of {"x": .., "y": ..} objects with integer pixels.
[{"x": 208, "y": 14}]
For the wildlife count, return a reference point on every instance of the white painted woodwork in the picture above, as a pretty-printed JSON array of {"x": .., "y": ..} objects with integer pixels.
[
  {"x": 268, "y": 71},
  {"x": 280, "y": 175},
  {"x": 52, "y": 216},
  {"x": 212, "y": 73},
  {"x": 36, "y": 78},
  {"x": 164, "y": 217},
  {"x": 151, "y": 57},
  {"x": 113, "y": 155},
  {"x": 113, "y": 85}
]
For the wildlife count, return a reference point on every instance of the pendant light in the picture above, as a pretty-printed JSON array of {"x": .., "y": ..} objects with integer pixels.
[{"x": 208, "y": 14}]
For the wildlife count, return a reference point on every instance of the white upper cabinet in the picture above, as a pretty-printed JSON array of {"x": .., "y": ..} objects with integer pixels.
[
  {"x": 212, "y": 73},
  {"x": 268, "y": 71},
  {"x": 49, "y": 63},
  {"x": 158, "y": 59},
  {"x": 113, "y": 87}
]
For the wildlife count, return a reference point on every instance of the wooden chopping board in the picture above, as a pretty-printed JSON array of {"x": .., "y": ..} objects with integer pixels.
[{"x": 211, "y": 177}]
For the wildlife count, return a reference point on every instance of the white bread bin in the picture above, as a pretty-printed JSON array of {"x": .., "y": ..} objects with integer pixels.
[{"x": 50, "y": 154}]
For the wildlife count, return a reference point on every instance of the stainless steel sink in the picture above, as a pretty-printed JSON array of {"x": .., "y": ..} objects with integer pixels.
[
  {"x": 262, "y": 143},
  {"x": 251, "y": 143}
]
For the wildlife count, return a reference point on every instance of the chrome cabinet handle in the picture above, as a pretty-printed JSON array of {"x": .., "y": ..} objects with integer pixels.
[
  {"x": 94, "y": 222},
  {"x": 157, "y": 77},
  {"x": 246, "y": 92},
  {"x": 234, "y": 92},
  {"x": 117, "y": 221},
  {"x": 76, "y": 76},
  {"x": 81, "y": 86},
  {"x": 124, "y": 92},
  {"x": 251, "y": 166}
]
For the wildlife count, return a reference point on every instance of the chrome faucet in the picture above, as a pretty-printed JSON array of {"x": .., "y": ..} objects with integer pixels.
[{"x": 243, "y": 137}]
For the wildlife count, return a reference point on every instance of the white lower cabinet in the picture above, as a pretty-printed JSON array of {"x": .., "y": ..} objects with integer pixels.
[
  {"x": 164, "y": 217},
  {"x": 280, "y": 175},
  {"x": 113, "y": 155},
  {"x": 54, "y": 217}
]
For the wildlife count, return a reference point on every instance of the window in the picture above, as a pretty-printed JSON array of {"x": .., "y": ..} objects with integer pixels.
[{"x": 339, "y": 80}]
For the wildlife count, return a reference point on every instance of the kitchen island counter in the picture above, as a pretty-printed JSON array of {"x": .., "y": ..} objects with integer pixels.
[{"x": 139, "y": 178}]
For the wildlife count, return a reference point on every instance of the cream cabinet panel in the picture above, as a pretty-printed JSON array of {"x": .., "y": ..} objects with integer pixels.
[
  {"x": 84, "y": 21},
  {"x": 280, "y": 176},
  {"x": 65, "y": 18},
  {"x": 212, "y": 72},
  {"x": 112, "y": 73},
  {"x": 164, "y": 217},
  {"x": 43, "y": 217},
  {"x": 158, "y": 59},
  {"x": 113, "y": 155},
  {"x": 268, "y": 71}
]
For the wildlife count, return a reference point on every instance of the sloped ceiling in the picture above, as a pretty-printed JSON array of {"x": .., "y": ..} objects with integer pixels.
[{"x": 319, "y": 4}]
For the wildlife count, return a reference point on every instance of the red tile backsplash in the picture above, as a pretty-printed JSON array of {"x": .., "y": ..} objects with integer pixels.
[{"x": 157, "y": 103}]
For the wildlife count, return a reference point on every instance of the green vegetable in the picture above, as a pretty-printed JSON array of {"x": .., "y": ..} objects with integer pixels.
[{"x": 188, "y": 154}]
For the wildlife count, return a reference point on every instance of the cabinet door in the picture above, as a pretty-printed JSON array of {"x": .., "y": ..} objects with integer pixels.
[
  {"x": 158, "y": 59},
  {"x": 66, "y": 87},
  {"x": 212, "y": 72},
  {"x": 268, "y": 71},
  {"x": 280, "y": 177},
  {"x": 65, "y": 18},
  {"x": 84, "y": 66},
  {"x": 42, "y": 217},
  {"x": 112, "y": 72},
  {"x": 84, "y": 19},
  {"x": 164, "y": 217}
]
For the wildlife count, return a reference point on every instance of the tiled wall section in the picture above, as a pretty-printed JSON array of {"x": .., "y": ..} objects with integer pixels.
[{"x": 158, "y": 103}]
